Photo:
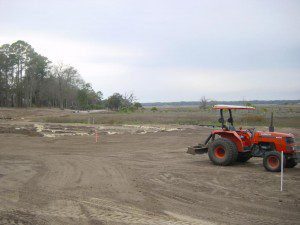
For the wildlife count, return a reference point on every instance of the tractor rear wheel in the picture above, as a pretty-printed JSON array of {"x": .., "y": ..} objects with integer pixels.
[
  {"x": 222, "y": 152},
  {"x": 272, "y": 161},
  {"x": 244, "y": 157},
  {"x": 290, "y": 163}
]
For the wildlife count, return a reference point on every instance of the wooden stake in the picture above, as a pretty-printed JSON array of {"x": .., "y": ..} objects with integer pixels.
[{"x": 281, "y": 177}]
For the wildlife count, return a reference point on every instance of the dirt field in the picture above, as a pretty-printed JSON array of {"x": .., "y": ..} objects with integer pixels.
[{"x": 135, "y": 178}]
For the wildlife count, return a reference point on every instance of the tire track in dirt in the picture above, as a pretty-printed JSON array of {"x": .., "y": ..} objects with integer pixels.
[
  {"x": 135, "y": 179},
  {"x": 59, "y": 173},
  {"x": 96, "y": 210},
  {"x": 172, "y": 187}
]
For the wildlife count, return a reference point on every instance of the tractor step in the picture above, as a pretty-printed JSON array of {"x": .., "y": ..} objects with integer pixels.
[{"x": 198, "y": 149}]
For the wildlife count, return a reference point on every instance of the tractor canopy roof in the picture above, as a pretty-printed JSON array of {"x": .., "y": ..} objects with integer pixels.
[{"x": 233, "y": 107}]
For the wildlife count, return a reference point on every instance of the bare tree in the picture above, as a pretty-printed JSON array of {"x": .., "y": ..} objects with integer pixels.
[
  {"x": 203, "y": 102},
  {"x": 128, "y": 99}
]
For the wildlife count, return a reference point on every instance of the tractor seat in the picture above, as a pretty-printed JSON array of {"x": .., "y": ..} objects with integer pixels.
[
  {"x": 252, "y": 132},
  {"x": 231, "y": 128}
]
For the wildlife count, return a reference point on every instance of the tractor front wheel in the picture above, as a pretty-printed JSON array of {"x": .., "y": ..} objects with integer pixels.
[
  {"x": 222, "y": 152},
  {"x": 272, "y": 161}
]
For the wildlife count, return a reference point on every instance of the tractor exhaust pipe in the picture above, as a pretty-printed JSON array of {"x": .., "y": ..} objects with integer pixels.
[{"x": 271, "y": 127}]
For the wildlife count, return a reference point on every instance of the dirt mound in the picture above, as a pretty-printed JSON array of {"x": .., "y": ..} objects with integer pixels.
[
  {"x": 57, "y": 130},
  {"x": 29, "y": 130}
]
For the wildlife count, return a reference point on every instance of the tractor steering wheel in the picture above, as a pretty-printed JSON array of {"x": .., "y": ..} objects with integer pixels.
[{"x": 251, "y": 131}]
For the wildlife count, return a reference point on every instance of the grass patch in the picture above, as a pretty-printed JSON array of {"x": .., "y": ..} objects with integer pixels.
[{"x": 284, "y": 116}]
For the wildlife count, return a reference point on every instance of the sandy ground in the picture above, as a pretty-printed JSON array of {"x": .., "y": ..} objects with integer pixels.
[{"x": 136, "y": 178}]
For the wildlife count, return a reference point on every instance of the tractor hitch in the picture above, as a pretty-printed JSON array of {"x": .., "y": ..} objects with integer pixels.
[{"x": 198, "y": 149}]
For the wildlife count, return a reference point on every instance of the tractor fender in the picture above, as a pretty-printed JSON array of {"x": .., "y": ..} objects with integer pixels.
[{"x": 231, "y": 135}]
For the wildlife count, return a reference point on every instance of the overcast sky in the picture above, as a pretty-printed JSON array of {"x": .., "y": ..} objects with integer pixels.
[{"x": 167, "y": 50}]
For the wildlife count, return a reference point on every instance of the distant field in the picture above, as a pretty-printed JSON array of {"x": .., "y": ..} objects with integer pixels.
[{"x": 284, "y": 116}]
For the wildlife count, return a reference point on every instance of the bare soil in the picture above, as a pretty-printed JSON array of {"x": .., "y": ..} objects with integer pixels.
[{"x": 135, "y": 178}]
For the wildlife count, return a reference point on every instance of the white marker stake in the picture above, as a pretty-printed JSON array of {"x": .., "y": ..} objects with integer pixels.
[
  {"x": 281, "y": 180},
  {"x": 96, "y": 136}
]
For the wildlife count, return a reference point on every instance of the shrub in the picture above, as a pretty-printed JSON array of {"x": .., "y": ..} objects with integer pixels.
[
  {"x": 154, "y": 109},
  {"x": 137, "y": 105}
]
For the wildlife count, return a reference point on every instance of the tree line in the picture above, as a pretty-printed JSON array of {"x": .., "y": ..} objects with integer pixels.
[{"x": 28, "y": 79}]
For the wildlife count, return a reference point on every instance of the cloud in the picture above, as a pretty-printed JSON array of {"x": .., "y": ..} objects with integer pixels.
[
  {"x": 58, "y": 48},
  {"x": 167, "y": 50},
  {"x": 173, "y": 84},
  {"x": 104, "y": 65}
]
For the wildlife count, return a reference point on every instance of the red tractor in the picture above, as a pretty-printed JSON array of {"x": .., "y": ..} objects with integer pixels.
[{"x": 228, "y": 145}]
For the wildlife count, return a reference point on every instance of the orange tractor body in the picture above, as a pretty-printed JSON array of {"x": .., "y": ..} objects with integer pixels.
[{"x": 228, "y": 145}]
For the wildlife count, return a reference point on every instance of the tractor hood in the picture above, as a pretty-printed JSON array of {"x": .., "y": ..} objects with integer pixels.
[{"x": 275, "y": 134}]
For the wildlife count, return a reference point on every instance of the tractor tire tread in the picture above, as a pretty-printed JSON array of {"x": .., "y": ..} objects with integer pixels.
[{"x": 230, "y": 147}]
